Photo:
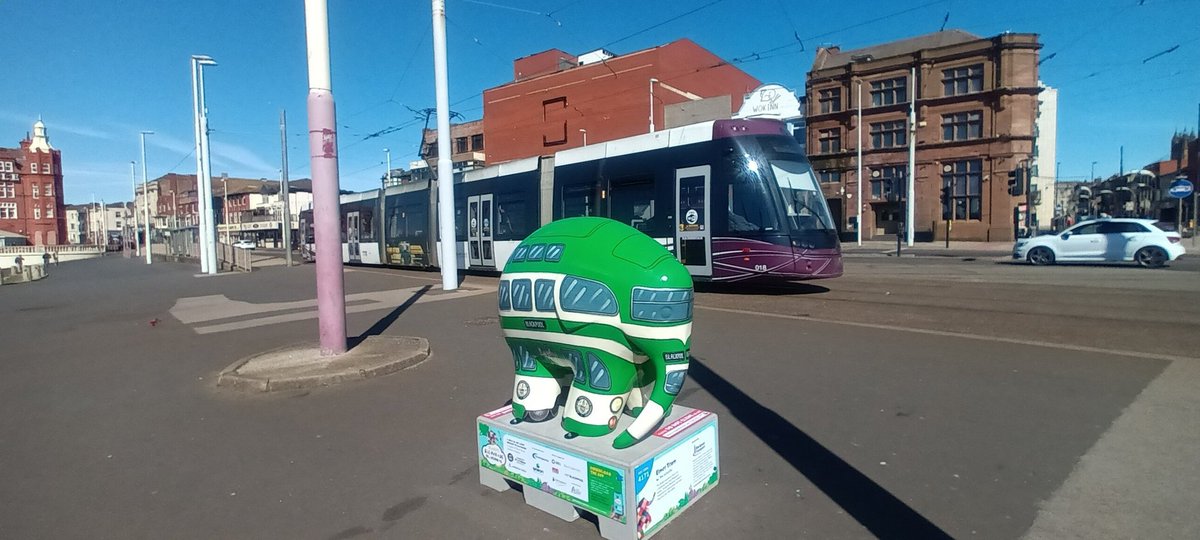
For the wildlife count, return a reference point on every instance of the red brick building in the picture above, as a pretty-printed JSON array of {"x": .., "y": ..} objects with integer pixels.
[
  {"x": 558, "y": 100},
  {"x": 31, "y": 190},
  {"x": 976, "y": 104}
]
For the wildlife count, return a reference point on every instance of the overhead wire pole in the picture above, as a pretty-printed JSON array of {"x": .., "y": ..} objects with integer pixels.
[
  {"x": 207, "y": 218},
  {"x": 449, "y": 253},
  {"x": 323, "y": 162},
  {"x": 133, "y": 182},
  {"x": 145, "y": 201},
  {"x": 285, "y": 190},
  {"x": 859, "y": 178},
  {"x": 199, "y": 127},
  {"x": 910, "y": 202}
]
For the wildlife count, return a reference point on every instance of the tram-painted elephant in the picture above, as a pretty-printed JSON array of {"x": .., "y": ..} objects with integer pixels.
[{"x": 597, "y": 305}]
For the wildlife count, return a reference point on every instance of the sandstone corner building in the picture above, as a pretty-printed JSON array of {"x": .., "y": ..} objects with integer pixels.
[{"x": 976, "y": 108}]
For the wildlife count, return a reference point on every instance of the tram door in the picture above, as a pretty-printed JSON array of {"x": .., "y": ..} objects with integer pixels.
[
  {"x": 352, "y": 228},
  {"x": 479, "y": 230},
  {"x": 693, "y": 231}
]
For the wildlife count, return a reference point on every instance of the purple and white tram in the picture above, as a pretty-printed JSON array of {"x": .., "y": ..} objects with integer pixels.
[{"x": 734, "y": 200}]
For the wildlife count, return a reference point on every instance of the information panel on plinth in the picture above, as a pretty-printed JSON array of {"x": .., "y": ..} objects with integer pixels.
[{"x": 634, "y": 492}]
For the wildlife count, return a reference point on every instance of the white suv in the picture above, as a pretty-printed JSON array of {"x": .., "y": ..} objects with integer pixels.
[{"x": 1104, "y": 240}]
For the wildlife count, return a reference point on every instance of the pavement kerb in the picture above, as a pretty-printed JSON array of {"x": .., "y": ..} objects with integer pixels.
[{"x": 373, "y": 357}]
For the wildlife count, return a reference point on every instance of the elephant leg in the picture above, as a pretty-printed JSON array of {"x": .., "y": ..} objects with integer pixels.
[
  {"x": 536, "y": 388},
  {"x": 668, "y": 381},
  {"x": 602, "y": 384},
  {"x": 642, "y": 384}
]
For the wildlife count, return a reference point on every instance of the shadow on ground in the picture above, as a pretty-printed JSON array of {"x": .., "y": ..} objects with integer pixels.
[
  {"x": 882, "y": 513},
  {"x": 781, "y": 288},
  {"x": 384, "y": 323}
]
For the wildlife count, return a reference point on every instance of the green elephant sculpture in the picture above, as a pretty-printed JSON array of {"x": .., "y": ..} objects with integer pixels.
[{"x": 597, "y": 305}]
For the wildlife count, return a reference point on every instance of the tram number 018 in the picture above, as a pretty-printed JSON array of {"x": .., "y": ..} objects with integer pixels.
[{"x": 760, "y": 268}]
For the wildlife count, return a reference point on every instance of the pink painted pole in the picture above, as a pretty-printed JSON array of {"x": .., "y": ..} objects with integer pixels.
[{"x": 322, "y": 146}]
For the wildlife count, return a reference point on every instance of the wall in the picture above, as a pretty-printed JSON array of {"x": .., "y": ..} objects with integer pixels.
[{"x": 610, "y": 100}]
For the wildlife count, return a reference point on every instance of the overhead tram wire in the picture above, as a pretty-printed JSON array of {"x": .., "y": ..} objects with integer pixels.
[{"x": 656, "y": 25}]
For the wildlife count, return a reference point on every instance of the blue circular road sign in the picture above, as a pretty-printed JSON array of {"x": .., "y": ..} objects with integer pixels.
[{"x": 1180, "y": 188}]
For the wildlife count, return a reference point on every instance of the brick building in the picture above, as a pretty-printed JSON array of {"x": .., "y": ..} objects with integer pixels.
[
  {"x": 976, "y": 104},
  {"x": 557, "y": 100},
  {"x": 31, "y": 190}
]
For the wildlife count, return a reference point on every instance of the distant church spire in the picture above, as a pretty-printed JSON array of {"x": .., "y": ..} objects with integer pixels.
[{"x": 40, "y": 143}]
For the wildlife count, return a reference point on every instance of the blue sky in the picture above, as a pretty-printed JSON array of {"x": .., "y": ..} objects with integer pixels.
[{"x": 98, "y": 72}]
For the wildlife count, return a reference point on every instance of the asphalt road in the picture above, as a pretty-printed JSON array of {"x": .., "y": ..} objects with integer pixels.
[{"x": 910, "y": 398}]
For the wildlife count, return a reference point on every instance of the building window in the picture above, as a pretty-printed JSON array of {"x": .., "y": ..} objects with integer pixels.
[
  {"x": 962, "y": 80},
  {"x": 47, "y": 168},
  {"x": 889, "y": 92},
  {"x": 33, "y": 168},
  {"x": 830, "y": 177},
  {"x": 962, "y": 126},
  {"x": 37, "y": 212},
  {"x": 460, "y": 145},
  {"x": 830, "y": 100},
  {"x": 35, "y": 190},
  {"x": 49, "y": 211},
  {"x": 889, "y": 182},
  {"x": 477, "y": 142},
  {"x": 8, "y": 190},
  {"x": 962, "y": 182},
  {"x": 6, "y": 166},
  {"x": 8, "y": 210},
  {"x": 830, "y": 140},
  {"x": 889, "y": 134},
  {"x": 49, "y": 190}
]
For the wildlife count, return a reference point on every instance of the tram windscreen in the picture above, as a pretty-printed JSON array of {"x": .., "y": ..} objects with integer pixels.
[{"x": 802, "y": 198}]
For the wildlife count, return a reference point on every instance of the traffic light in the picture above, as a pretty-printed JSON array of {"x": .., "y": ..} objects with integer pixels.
[
  {"x": 1016, "y": 182},
  {"x": 945, "y": 195}
]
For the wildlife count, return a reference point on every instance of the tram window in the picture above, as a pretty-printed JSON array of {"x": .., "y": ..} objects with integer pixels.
[
  {"x": 406, "y": 221},
  {"x": 632, "y": 203},
  {"x": 750, "y": 207},
  {"x": 803, "y": 199},
  {"x": 512, "y": 219},
  {"x": 460, "y": 221},
  {"x": 578, "y": 201},
  {"x": 366, "y": 225}
]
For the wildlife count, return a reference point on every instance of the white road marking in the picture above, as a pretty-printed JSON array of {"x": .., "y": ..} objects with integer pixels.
[
  {"x": 217, "y": 307},
  {"x": 998, "y": 339},
  {"x": 394, "y": 273}
]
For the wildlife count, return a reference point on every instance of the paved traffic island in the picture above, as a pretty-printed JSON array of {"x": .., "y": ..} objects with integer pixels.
[{"x": 302, "y": 366}]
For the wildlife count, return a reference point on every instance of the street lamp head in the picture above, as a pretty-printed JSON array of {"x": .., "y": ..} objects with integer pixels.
[
  {"x": 653, "y": 80},
  {"x": 204, "y": 60},
  {"x": 146, "y": 132}
]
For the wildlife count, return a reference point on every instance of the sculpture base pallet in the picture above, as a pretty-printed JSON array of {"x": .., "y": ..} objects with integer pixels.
[{"x": 633, "y": 492}]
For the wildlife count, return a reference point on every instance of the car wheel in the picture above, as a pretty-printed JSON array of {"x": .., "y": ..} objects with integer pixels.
[
  {"x": 1151, "y": 257},
  {"x": 1041, "y": 256}
]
